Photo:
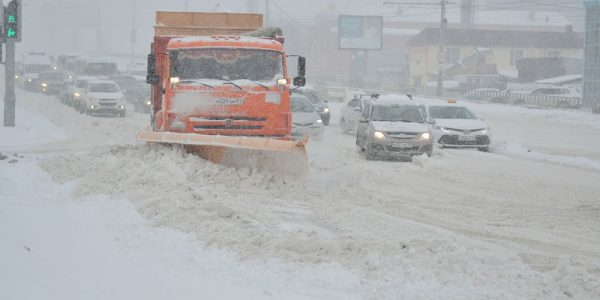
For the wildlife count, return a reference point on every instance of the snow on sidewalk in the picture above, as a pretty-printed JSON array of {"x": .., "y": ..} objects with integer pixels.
[
  {"x": 55, "y": 247},
  {"x": 30, "y": 130}
]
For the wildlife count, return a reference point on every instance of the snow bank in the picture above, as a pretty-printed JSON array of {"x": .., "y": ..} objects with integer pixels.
[{"x": 30, "y": 130}]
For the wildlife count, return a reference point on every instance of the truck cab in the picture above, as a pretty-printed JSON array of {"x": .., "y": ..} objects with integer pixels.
[{"x": 223, "y": 85}]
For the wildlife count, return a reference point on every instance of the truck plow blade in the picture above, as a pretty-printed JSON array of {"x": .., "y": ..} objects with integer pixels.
[{"x": 275, "y": 155}]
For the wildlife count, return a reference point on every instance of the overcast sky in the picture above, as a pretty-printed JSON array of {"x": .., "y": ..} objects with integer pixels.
[{"x": 81, "y": 25}]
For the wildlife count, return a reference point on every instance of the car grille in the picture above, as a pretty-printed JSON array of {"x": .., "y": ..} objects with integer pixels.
[
  {"x": 107, "y": 102},
  {"x": 480, "y": 140},
  {"x": 466, "y": 131},
  {"x": 402, "y": 135}
]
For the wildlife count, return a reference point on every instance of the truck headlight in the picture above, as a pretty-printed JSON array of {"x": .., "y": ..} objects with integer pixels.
[
  {"x": 379, "y": 135},
  {"x": 425, "y": 136},
  {"x": 282, "y": 81}
]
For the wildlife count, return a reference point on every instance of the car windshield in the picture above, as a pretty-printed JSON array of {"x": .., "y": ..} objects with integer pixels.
[
  {"x": 105, "y": 69},
  {"x": 451, "y": 112},
  {"x": 80, "y": 83},
  {"x": 399, "y": 113},
  {"x": 228, "y": 64},
  {"x": 301, "y": 104},
  {"x": 36, "y": 68},
  {"x": 312, "y": 95},
  {"x": 104, "y": 87},
  {"x": 125, "y": 81},
  {"x": 52, "y": 76}
]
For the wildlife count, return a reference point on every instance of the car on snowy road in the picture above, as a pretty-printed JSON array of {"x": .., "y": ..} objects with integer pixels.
[
  {"x": 351, "y": 113},
  {"x": 458, "y": 127},
  {"x": 394, "y": 126},
  {"x": 52, "y": 82},
  {"x": 102, "y": 97},
  {"x": 318, "y": 102},
  {"x": 305, "y": 119}
]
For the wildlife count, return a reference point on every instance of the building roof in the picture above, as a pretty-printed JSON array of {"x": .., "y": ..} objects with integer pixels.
[
  {"x": 549, "y": 20},
  {"x": 499, "y": 38}
]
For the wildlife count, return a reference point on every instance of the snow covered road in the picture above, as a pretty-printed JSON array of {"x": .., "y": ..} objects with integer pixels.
[{"x": 521, "y": 222}]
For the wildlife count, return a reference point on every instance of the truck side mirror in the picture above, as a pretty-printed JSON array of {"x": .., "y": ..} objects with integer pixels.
[
  {"x": 301, "y": 66},
  {"x": 151, "y": 76},
  {"x": 299, "y": 81}
]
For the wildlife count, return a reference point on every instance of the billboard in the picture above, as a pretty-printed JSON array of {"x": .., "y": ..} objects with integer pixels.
[{"x": 360, "y": 32}]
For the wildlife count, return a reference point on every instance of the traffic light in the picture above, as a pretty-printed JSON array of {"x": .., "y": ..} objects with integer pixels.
[{"x": 12, "y": 21}]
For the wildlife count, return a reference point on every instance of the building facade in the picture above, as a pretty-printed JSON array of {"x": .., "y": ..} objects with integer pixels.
[{"x": 485, "y": 52}]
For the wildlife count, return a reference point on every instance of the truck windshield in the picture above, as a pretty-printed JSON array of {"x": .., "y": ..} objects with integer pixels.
[
  {"x": 228, "y": 64},
  {"x": 401, "y": 113}
]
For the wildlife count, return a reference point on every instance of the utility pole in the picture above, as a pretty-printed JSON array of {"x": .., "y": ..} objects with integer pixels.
[
  {"x": 11, "y": 23},
  {"x": 133, "y": 34},
  {"x": 186, "y": 5},
  {"x": 442, "y": 51},
  {"x": 267, "y": 16}
]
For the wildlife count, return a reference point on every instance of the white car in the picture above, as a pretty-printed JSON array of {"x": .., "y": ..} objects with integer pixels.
[
  {"x": 305, "y": 119},
  {"x": 351, "y": 113},
  {"x": 458, "y": 127},
  {"x": 103, "y": 97}
]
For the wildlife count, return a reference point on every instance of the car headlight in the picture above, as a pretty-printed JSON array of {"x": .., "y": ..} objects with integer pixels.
[
  {"x": 326, "y": 110},
  {"x": 148, "y": 103},
  {"x": 44, "y": 84},
  {"x": 16, "y": 76},
  {"x": 92, "y": 106},
  {"x": 121, "y": 107},
  {"x": 29, "y": 80},
  {"x": 378, "y": 135},
  {"x": 76, "y": 95},
  {"x": 425, "y": 136},
  {"x": 319, "y": 121},
  {"x": 486, "y": 130}
]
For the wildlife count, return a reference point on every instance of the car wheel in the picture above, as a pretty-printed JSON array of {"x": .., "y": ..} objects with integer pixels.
[
  {"x": 519, "y": 102},
  {"x": 343, "y": 126},
  {"x": 369, "y": 155},
  {"x": 123, "y": 114},
  {"x": 326, "y": 122},
  {"x": 429, "y": 153},
  {"x": 483, "y": 149}
]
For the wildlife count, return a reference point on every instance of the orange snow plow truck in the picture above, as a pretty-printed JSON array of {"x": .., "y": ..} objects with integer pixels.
[{"x": 221, "y": 88}]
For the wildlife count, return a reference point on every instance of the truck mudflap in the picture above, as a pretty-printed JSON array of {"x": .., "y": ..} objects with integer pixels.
[{"x": 277, "y": 155}]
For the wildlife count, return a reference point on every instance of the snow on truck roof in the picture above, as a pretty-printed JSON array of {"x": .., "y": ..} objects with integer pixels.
[{"x": 218, "y": 41}]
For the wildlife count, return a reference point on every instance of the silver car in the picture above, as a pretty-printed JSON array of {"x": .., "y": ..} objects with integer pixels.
[
  {"x": 394, "y": 126},
  {"x": 305, "y": 119}
]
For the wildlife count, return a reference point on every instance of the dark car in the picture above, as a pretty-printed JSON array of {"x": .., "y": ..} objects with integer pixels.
[
  {"x": 52, "y": 82},
  {"x": 318, "y": 102}
]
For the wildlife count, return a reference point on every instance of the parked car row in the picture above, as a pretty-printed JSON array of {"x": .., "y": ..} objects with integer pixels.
[{"x": 396, "y": 126}]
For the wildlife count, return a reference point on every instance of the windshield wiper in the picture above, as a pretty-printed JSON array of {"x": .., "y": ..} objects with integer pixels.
[
  {"x": 200, "y": 82},
  {"x": 266, "y": 87}
]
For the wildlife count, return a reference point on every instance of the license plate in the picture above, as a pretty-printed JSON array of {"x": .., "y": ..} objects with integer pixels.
[
  {"x": 402, "y": 145},
  {"x": 230, "y": 101},
  {"x": 467, "y": 138}
]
